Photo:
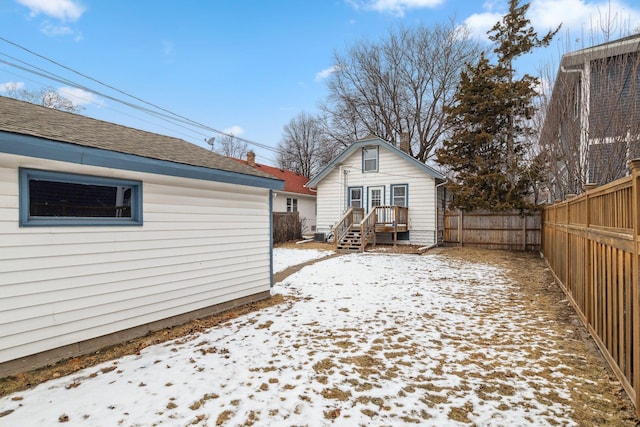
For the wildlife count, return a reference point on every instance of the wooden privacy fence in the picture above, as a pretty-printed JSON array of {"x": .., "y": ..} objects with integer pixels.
[
  {"x": 492, "y": 230},
  {"x": 286, "y": 226},
  {"x": 591, "y": 244}
]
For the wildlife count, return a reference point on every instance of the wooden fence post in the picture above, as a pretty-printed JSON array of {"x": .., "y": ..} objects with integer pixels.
[
  {"x": 634, "y": 166},
  {"x": 524, "y": 233},
  {"x": 460, "y": 227},
  {"x": 589, "y": 309}
]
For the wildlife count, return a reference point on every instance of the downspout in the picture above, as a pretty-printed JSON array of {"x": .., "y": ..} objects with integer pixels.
[
  {"x": 341, "y": 186},
  {"x": 435, "y": 239},
  {"x": 585, "y": 82},
  {"x": 270, "y": 238}
]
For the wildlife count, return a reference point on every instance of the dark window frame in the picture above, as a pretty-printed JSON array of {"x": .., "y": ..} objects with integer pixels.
[
  {"x": 351, "y": 199},
  {"x": 28, "y": 220},
  {"x": 376, "y": 157},
  {"x": 406, "y": 194},
  {"x": 292, "y": 204}
]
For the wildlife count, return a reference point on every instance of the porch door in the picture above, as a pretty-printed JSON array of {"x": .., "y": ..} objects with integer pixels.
[{"x": 375, "y": 197}]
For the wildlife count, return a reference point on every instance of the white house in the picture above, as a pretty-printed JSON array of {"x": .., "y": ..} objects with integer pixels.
[
  {"x": 294, "y": 197},
  {"x": 372, "y": 176},
  {"x": 107, "y": 232}
]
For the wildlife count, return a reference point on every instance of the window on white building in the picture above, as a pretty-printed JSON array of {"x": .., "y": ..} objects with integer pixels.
[
  {"x": 292, "y": 204},
  {"x": 370, "y": 159}
]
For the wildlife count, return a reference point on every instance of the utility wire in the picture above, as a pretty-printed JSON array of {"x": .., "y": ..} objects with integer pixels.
[
  {"x": 169, "y": 116},
  {"x": 185, "y": 135}
]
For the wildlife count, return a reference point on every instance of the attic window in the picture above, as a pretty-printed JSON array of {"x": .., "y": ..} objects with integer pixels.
[
  {"x": 370, "y": 159},
  {"x": 58, "y": 199}
]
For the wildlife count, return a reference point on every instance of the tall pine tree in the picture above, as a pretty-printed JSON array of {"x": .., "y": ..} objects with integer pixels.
[{"x": 490, "y": 120}]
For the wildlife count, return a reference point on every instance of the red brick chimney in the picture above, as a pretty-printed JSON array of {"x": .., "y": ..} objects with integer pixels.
[
  {"x": 405, "y": 143},
  {"x": 251, "y": 159}
]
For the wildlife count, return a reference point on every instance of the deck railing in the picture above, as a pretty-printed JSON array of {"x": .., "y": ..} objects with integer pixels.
[
  {"x": 380, "y": 218},
  {"x": 592, "y": 244},
  {"x": 368, "y": 228},
  {"x": 392, "y": 215},
  {"x": 343, "y": 226}
]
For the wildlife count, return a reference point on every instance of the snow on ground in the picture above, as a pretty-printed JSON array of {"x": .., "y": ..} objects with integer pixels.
[
  {"x": 284, "y": 258},
  {"x": 371, "y": 339}
]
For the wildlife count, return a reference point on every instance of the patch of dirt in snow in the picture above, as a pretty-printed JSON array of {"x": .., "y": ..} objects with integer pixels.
[
  {"x": 483, "y": 356},
  {"x": 596, "y": 396},
  {"x": 185, "y": 332}
]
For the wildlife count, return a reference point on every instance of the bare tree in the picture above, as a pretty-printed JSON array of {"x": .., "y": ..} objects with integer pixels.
[
  {"x": 230, "y": 146},
  {"x": 305, "y": 147},
  {"x": 47, "y": 97},
  {"x": 401, "y": 85}
]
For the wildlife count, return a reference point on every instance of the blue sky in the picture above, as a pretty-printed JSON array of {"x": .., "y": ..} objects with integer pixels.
[{"x": 245, "y": 67}]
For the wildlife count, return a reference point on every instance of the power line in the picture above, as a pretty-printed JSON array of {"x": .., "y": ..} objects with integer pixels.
[
  {"x": 170, "y": 115},
  {"x": 199, "y": 133}
]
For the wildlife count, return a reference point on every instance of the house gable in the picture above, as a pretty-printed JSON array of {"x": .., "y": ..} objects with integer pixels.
[{"x": 357, "y": 149}]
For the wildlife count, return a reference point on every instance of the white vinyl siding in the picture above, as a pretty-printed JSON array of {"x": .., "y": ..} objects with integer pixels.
[
  {"x": 202, "y": 243},
  {"x": 306, "y": 208},
  {"x": 393, "y": 169}
]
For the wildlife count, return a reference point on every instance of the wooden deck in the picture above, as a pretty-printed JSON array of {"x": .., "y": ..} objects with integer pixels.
[{"x": 355, "y": 231}]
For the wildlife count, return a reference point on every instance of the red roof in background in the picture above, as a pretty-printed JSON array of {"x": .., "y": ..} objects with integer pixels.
[{"x": 293, "y": 182}]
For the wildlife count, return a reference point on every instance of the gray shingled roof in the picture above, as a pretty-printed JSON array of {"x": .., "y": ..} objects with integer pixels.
[{"x": 28, "y": 119}]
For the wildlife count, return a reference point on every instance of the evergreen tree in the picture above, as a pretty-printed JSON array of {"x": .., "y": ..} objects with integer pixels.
[{"x": 490, "y": 119}]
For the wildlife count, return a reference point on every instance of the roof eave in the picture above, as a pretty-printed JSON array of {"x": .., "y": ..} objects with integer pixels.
[{"x": 36, "y": 147}]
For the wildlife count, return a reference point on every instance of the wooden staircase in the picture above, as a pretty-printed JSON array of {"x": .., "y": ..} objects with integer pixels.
[
  {"x": 355, "y": 230},
  {"x": 351, "y": 242}
]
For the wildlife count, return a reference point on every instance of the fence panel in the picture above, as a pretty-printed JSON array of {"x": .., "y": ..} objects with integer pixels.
[
  {"x": 286, "y": 226},
  {"x": 492, "y": 230},
  {"x": 591, "y": 244}
]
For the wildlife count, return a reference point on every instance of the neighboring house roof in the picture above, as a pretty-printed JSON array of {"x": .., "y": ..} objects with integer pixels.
[
  {"x": 22, "y": 118},
  {"x": 367, "y": 142},
  {"x": 604, "y": 50},
  {"x": 293, "y": 182}
]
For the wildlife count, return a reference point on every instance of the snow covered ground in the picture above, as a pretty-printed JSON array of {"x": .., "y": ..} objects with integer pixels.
[
  {"x": 284, "y": 258},
  {"x": 370, "y": 339}
]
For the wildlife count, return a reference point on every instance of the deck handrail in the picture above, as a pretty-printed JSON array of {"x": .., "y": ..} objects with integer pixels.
[
  {"x": 367, "y": 228},
  {"x": 343, "y": 226},
  {"x": 379, "y": 216}
]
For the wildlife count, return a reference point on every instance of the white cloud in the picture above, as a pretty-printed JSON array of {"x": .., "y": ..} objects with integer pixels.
[
  {"x": 479, "y": 23},
  {"x": 581, "y": 18},
  {"x": 234, "y": 130},
  {"x": 53, "y": 30},
  {"x": 396, "y": 7},
  {"x": 326, "y": 72},
  {"x": 79, "y": 96},
  {"x": 8, "y": 86},
  {"x": 585, "y": 19},
  {"x": 64, "y": 10},
  {"x": 168, "y": 47}
]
